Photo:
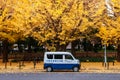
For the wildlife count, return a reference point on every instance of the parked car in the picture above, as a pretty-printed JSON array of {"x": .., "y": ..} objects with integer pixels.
[{"x": 60, "y": 61}]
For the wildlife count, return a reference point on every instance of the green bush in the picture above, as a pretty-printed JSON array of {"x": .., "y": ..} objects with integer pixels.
[
  {"x": 14, "y": 60},
  {"x": 95, "y": 59}
]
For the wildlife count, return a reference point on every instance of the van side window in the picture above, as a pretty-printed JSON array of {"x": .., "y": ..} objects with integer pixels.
[
  {"x": 68, "y": 57},
  {"x": 49, "y": 56},
  {"x": 58, "y": 56}
]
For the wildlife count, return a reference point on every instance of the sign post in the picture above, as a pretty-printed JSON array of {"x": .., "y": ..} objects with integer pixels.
[{"x": 105, "y": 56}]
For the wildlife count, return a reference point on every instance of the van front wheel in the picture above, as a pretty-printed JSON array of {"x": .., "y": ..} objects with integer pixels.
[
  {"x": 49, "y": 69},
  {"x": 75, "y": 69}
]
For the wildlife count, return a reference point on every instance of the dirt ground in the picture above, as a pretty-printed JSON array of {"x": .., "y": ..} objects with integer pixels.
[{"x": 90, "y": 67}]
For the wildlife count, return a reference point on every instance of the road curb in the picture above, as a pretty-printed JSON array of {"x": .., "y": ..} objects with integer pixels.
[{"x": 42, "y": 70}]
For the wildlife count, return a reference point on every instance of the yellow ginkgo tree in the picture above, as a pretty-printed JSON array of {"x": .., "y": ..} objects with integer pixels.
[
  {"x": 14, "y": 22},
  {"x": 109, "y": 29},
  {"x": 116, "y": 9},
  {"x": 59, "y": 22}
]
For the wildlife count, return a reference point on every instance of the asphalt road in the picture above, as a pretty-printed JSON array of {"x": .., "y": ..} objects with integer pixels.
[{"x": 60, "y": 76}]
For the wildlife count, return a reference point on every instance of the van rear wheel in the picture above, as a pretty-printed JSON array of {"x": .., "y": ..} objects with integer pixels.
[
  {"x": 49, "y": 69},
  {"x": 75, "y": 69}
]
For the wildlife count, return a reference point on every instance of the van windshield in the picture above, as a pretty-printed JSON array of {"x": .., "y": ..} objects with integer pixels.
[{"x": 68, "y": 57}]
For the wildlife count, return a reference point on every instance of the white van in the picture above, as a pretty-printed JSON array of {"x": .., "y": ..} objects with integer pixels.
[{"x": 60, "y": 61}]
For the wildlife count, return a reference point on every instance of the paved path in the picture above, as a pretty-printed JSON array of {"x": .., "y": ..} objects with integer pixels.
[{"x": 86, "y": 67}]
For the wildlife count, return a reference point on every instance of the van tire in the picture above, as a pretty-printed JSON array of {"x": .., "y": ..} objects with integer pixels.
[
  {"x": 75, "y": 69},
  {"x": 49, "y": 69}
]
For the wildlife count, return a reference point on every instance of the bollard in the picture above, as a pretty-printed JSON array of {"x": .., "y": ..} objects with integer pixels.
[
  {"x": 108, "y": 65},
  {"x": 103, "y": 64}
]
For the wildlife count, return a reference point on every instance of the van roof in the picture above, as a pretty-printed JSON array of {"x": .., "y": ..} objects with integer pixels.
[{"x": 57, "y": 53}]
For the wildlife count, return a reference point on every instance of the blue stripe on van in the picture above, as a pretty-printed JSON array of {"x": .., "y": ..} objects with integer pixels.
[{"x": 61, "y": 66}]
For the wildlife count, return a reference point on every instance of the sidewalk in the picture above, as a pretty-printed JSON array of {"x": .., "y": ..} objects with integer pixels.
[
  {"x": 98, "y": 67},
  {"x": 86, "y": 67}
]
